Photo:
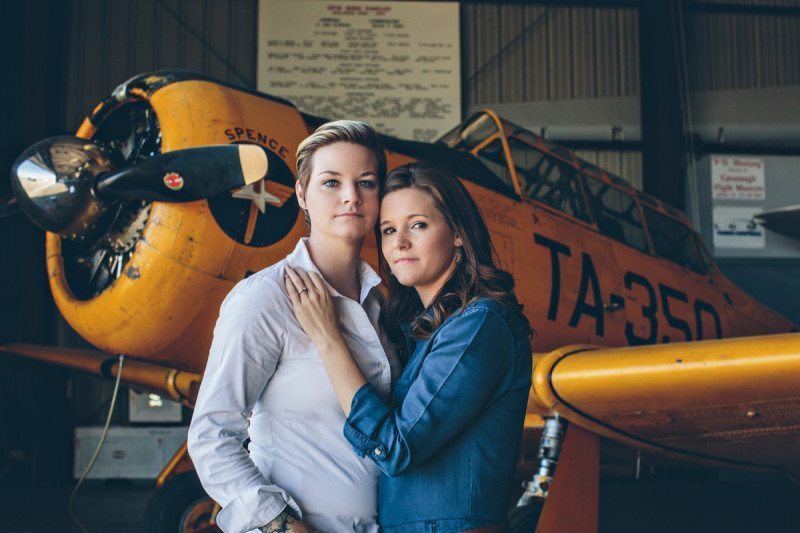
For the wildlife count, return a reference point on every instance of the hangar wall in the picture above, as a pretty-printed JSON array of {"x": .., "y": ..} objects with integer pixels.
[
  {"x": 737, "y": 51},
  {"x": 515, "y": 53},
  {"x": 111, "y": 40},
  {"x": 512, "y": 52},
  {"x": 593, "y": 52}
]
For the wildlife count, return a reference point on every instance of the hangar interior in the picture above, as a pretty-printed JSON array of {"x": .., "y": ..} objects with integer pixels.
[{"x": 649, "y": 90}]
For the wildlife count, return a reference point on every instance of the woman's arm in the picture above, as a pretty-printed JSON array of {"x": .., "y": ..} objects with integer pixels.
[
  {"x": 316, "y": 313},
  {"x": 244, "y": 354},
  {"x": 469, "y": 357}
]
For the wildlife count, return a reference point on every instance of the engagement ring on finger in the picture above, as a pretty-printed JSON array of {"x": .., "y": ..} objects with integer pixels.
[{"x": 301, "y": 291}]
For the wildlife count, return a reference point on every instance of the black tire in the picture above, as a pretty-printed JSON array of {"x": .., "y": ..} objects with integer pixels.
[
  {"x": 170, "y": 504},
  {"x": 524, "y": 519}
]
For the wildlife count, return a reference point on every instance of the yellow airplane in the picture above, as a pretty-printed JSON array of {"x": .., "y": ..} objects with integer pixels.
[{"x": 177, "y": 186}]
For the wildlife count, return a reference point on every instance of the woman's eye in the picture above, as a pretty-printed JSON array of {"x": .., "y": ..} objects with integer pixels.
[
  {"x": 367, "y": 184},
  {"x": 387, "y": 231},
  {"x": 419, "y": 225},
  {"x": 330, "y": 183}
]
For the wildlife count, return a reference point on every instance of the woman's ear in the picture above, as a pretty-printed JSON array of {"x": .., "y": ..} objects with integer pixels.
[
  {"x": 301, "y": 194},
  {"x": 458, "y": 242}
]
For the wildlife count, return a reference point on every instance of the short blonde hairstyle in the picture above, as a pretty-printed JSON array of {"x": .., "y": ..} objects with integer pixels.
[{"x": 350, "y": 131}]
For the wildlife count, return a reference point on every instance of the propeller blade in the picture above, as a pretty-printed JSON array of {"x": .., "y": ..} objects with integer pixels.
[
  {"x": 784, "y": 220},
  {"x": 8, "y": 206},
  {"x": 187, "y": 175}
]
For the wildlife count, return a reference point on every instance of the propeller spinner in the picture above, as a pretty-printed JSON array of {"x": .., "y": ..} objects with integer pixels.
[
  {"x": 53, "y": 182},
  {"x": 72, "y": 186}
]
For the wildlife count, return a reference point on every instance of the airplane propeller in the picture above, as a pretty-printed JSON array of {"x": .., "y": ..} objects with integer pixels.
[
  {"x": 187, "y": 175},
  {"x": 783, "y": 220},
  {"x": 73, "y": 187}
]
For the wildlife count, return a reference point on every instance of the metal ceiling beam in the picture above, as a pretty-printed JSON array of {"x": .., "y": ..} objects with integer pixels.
[
  {"x": 741, "y": 9},
  {"x": 603, "y": 4},
  {"x": 661, "y": 67},
  {"x": 690, "y": 6}
]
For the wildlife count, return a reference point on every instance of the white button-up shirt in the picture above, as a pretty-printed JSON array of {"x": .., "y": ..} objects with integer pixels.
[{"x": 265, "y": 380}]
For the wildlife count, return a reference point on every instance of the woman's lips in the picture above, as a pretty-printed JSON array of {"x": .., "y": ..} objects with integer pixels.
[{"x": 404, "y": 260}]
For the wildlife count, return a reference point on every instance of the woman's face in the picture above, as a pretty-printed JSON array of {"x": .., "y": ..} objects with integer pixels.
[
  {"x": 417, "y": 242},
  {"x": 342, "y": 193}
]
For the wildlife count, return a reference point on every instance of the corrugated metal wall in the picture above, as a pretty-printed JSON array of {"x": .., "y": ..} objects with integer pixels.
[
  {"x": 514, "y": 53},
  {"x": 738, "y": 51},
  {"x": 114, "y": 39},
  {"x": 510, "y": 53},
  {"x": 627, "y": 165}
]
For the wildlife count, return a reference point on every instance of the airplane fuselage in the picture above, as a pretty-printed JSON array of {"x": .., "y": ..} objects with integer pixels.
[{"x": 160, "y": 298}]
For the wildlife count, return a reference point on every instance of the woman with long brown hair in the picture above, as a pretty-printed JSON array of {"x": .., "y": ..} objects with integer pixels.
[{"x": 447, "y": 442}]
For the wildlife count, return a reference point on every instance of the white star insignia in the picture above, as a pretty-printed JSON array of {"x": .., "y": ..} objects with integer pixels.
[{"x": 264, "y": 192}]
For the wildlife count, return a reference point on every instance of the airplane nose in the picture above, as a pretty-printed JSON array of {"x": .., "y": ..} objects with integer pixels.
[{"x": 53, "y": 182}]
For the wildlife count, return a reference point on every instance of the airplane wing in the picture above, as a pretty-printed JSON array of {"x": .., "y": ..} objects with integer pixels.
[
  {"x": 178, "y": 384},
  {"x": 728, "y": 402},
  {"x": 785, "y": 220}
]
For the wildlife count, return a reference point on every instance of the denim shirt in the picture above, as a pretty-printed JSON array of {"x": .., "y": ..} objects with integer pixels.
[{"x": 447, "y": 445}]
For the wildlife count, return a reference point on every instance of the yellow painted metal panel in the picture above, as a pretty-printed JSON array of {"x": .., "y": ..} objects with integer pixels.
[{"x": 734, "y": 400}]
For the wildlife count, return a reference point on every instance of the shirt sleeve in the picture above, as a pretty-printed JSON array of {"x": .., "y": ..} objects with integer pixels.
[
  {"x": 469, "y": 357},
  {"x": 248, "y": 339}
]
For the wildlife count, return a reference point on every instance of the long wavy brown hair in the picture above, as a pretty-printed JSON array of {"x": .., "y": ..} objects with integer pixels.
[{"x": 475, "y": 276}]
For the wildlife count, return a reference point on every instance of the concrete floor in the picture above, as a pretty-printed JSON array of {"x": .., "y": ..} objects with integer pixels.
[
  {"x": 114, "y": 506},
  {"x": 653, "y": 506}
]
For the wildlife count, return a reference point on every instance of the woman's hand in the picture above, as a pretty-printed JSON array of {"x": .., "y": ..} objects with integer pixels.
[
  {"x": 313, "y": 306},
  {"x": 316, "y": 313}
]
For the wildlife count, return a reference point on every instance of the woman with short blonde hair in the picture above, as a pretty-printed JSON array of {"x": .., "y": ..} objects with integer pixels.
[{"x": 264, "y": 379}]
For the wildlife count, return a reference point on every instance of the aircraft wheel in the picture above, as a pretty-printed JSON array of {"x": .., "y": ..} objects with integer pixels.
[
  {"x": 524, "y": 519},
  {"x": 180, "y": 505}
]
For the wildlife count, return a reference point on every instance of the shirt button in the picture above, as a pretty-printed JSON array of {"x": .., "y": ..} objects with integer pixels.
[
  {"x": 378, "y": 452},
  {"x": 381, "y": 366}
]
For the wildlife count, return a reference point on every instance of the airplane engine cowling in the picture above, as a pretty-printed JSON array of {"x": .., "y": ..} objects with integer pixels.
[{"x": 163, "y": 295}]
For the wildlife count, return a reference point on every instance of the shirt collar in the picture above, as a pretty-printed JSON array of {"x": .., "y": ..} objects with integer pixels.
[{"x": 300, "y": 258}]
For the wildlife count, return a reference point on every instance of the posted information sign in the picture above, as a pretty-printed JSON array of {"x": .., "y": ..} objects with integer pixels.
[
  {"x": 395, "y": 65},
  {"x": 737, "y": 178}
]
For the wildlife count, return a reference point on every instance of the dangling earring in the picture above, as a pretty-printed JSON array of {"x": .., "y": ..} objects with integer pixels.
[{"x": 459, "y": 254}]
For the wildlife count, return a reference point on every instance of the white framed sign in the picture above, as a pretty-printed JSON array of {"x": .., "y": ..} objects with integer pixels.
[
  {"x": 737, "y": 178},
  {"x": 394, "y": 64}
]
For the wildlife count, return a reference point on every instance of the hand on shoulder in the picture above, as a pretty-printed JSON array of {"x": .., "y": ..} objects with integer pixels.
[{"x": 313, "y": 305}]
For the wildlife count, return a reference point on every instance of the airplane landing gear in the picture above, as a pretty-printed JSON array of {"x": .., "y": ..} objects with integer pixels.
[
  {"x": 181, "y": 505},
  {"x": 525, "y": 516},
  {"x": 524, "y": 519}
]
